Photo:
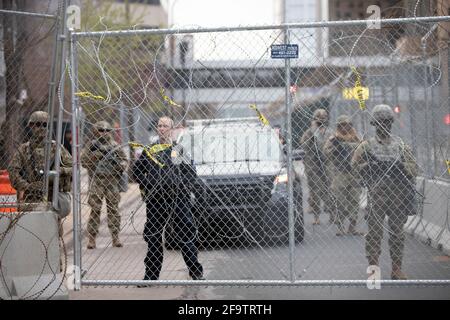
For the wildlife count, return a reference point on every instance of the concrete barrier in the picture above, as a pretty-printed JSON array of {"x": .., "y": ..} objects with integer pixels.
[
  {"x": 30, "y": 256},
  {"x": 432, "y": 223}
]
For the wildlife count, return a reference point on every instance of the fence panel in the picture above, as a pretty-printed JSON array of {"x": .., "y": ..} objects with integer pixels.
[
  {"x": 188, "y": 138},
  {"x": 29, "y": 59}
]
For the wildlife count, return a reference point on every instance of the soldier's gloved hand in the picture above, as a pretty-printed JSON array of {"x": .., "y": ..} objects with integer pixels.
[
  {"x": 65, "y": 171},
  {"x": 96, "y": 156},
  {"x": 36, "y": 188},
  {"x": 400, "y": 165}
]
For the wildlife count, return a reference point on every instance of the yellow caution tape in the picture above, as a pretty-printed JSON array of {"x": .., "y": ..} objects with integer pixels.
[
  {"x": 359, "y": 89},
  {"x": 86, "y": 94},
  {"x": 159, "y": 147},
  {"x": 167, "y": 99},
  {"x": 150, "y": 151},
  {"x": 263, "y": 119},
  {"x": 146, "y": 149},
  {"x": 352, "y": 93},
  {"x": 448, "y": 165}
]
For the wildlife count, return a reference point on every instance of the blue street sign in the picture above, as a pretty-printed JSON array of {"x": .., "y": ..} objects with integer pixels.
[{"x": 284, "y": 51}]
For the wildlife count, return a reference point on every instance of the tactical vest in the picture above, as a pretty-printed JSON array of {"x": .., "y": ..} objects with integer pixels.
[
  {"x": 35, "y": 167},
  {"x": 386, "y": 152},
  {"x": 109, "y": 163}
]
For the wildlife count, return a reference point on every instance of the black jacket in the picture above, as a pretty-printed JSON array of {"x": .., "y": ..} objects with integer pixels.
[{"x": 156, "y": 181}]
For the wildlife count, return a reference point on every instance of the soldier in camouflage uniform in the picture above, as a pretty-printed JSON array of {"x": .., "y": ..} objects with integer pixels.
[
  {"x": 27, "y": 166},
  {"x": 388, "y": 168},
  {"x": 315, "y": 167},
  {"x": 105, "y": 162},
  {"x": 339, "y": 149}
]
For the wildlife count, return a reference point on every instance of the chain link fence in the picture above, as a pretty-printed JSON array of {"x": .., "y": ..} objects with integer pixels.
[
  {"x": 202, "y": 155},
  {"x": 31, "y": 237}
]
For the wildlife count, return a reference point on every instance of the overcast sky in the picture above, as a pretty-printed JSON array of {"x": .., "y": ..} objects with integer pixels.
[
  {"x": 223, "y": 13},
  {"x": 216, "y": 13}
]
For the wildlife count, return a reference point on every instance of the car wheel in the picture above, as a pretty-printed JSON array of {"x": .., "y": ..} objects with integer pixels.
[{"x": 299, "y": 229}]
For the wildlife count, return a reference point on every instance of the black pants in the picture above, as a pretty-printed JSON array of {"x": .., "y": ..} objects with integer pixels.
[{"x": 159, "y": 211}]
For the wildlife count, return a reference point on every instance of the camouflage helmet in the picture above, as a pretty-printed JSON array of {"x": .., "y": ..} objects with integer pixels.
[
  {"x": 103, "y": 125},
  {"x": 343, "y": 119},
  {"x": 38, "y": 116},
  {"x": 321, "y": 115},
  {"x": 382, "y": 112}
]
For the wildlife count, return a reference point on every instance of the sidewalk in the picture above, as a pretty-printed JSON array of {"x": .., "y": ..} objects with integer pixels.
[
  {"x": 129, "y": 293},
  {"x": 131, "y": 196},
  {"x": 260, "y": 293}
]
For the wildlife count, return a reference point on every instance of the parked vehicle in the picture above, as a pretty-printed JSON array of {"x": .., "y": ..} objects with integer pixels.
[{"x": 241, "y": 196}]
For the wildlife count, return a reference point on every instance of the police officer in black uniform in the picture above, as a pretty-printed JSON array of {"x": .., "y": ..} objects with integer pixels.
[{"x": 164, "y": 180}]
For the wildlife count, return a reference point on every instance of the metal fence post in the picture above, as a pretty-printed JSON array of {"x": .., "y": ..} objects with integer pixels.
[
  {"x": 76, "y": 166},
  {"x": 51, "y": 99},
  {"x": 287, "y": 64},
  {"x": 62, "y": 38}
]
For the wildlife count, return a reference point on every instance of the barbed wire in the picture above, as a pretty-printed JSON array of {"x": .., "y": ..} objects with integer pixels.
[{"x": 111, "y": 91}]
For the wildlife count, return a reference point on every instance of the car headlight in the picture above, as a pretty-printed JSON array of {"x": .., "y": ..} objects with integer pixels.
[{"x": 282, "y": 178}]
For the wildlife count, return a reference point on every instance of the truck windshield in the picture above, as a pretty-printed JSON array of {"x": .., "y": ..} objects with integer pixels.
[{"x": 213, "y": 145}]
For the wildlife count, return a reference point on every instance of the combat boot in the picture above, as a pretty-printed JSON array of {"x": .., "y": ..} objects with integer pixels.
[
  {"x": 116, "y": 242},
  {"x": 340, "y": 225},
  {"x": 397, "y": 273},
  {"x": 91, "y": 243},
  {"x": 316, "y": 218},
  {"x": 352, "y": 228},
  {"x": 332, "y": 219},
  {"x": 341, "y": 230}
]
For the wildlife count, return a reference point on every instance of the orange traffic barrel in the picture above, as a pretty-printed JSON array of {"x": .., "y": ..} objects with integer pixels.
[{"x": 8, "y": 195}]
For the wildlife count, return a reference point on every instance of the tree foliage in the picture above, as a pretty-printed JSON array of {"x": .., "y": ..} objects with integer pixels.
[{"x": 123, "y": 70}]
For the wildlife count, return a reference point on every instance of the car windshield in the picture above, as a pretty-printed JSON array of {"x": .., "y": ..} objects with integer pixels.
[{"x": 218, "y": 145}]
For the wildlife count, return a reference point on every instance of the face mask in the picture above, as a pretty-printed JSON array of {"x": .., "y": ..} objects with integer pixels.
[
  {"x": 38, "y": 134},
  {"x": 321, "y": 123},
  {"x": 103, "y": 139},
  {"x": 383, "y": 127}
]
